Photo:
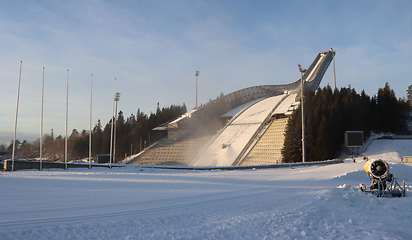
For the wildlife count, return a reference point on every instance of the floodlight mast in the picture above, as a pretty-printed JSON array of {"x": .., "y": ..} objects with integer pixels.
[
  {"x": 334, "y": 74},
  {"x": 302, "y": 71},
  {"x": 196, "y": 74},
  {"x": 111, "y": 132},
  {"x": 116, "y": 99}
]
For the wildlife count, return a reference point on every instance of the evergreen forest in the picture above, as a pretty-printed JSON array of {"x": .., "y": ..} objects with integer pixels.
[{"x": 330, "y": 113}]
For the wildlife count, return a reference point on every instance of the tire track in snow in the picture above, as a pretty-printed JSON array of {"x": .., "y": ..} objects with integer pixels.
[{"x": 144, "y": 212}]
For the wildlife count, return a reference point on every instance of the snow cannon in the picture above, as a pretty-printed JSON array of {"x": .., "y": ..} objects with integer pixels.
[
  {"x": 383, "y": 184},
  {"x": 377, "y": 168}
]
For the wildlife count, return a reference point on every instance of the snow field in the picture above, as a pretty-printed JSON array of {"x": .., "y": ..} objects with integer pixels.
[{"x": 316, "y": 202}]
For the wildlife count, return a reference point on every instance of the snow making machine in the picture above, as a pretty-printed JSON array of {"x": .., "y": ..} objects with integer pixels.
[{"x": 383, "y": 183}]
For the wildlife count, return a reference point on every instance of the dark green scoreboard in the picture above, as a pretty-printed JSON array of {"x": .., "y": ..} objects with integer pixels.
[{"x": 354, "y": 138}]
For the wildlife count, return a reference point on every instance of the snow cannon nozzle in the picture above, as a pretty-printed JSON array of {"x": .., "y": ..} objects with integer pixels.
[{"x": 377, "y": 168}]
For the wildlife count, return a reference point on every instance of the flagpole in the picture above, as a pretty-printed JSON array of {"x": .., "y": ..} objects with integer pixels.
[
  {"x": 90, "y": 124},
  {"x": 15, "y": 120},
  {"x": 67, "y": 111},
  {"x": 41, "y": 123}
]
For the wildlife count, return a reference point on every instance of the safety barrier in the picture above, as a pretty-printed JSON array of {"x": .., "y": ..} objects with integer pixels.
[{"x": 22, "y": 165}]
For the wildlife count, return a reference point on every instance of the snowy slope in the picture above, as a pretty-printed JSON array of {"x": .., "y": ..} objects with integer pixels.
[
  {"x": 237, "y": 134},
  {"x": 134, "y": 203},
  {"x": 390, "y": 150}
]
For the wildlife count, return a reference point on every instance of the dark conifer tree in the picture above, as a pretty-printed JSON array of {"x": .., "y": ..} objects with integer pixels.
[
  {"x": 292, "y": 151},
  {"x": 390, "y": 116},
  {"x": 97, "y": 139}
]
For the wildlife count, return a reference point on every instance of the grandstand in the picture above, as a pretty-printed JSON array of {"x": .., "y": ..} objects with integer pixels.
[
  {"x": 245, "y": 127},
  {"x": 268, "y": 147}
]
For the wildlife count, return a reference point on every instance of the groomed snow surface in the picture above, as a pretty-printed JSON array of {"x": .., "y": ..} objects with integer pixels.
[{"x": 314, "y": 202}]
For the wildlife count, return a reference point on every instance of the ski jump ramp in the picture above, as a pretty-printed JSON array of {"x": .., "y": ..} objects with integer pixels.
[
  {"x": 225, "y": 149},
  {"x": 256, "y": 108},
  {"x": 233, "y": 142}
]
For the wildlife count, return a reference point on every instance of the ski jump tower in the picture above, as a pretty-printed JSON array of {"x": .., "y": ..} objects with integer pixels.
[{"x": 251, "y": 133}]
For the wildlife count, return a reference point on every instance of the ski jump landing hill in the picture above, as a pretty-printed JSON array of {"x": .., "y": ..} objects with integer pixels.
[{"x": 251, "y": 133}]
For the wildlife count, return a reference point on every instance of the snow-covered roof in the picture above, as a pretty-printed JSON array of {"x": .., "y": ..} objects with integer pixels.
[{"x": 173, "y": 123}]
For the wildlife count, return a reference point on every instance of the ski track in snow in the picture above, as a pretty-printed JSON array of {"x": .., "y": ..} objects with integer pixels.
[{"x": 314, "y": 202}]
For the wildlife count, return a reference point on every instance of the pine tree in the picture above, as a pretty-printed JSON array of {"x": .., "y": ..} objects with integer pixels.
[
  {"x": 389, "y": 115},
  {"x": 292, "y": 150},
  {"x": 97, "y": 138}
]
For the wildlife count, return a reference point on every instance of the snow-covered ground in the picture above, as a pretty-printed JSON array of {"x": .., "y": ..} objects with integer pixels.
[{"x": 135, "y": 203}]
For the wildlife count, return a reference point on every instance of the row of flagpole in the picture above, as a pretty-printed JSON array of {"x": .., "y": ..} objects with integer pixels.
[{"x": 66, "y": 123}]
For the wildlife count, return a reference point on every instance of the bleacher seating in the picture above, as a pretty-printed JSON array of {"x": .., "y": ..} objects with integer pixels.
[
  {"x": 175, "y": 151},
  {"x": 268, "y": 148}
]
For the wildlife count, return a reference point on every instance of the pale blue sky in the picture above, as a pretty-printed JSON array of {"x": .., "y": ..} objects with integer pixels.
[{"x": 154, "y": 48}]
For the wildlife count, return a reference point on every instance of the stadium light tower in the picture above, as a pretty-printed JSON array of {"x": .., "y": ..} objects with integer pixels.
[
  {"x": 111, "y": 132},
  {"x": 334, "y": 75},
  {"x": 302, "y": 71},
  {"x": 196, "y": 74},
  {"x": 116, "y": 99}
]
